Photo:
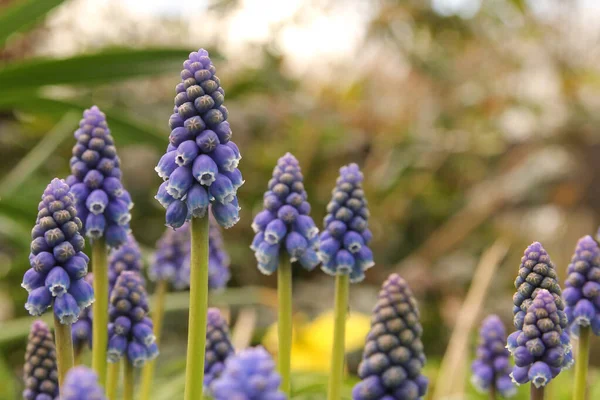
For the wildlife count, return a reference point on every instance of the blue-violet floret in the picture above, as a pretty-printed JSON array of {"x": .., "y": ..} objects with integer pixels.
[
  {"x": 218, "y": 346},
  {"x": 81, "y": 383}
]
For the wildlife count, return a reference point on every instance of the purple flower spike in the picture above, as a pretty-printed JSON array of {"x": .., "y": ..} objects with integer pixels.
[
  {"x": 393, "y": 357},
  {"x": 126, "y": 258},
  {"x": 200, "y": 165},
  {"x": 343, "y": 246},
  {"x": 57, "y": 261},
  {"x": 81, "y": 331},
  {"x": 81, "y": 383},
  {"x": 40, "y": 371},
  {"x": 250, "y": 375},
  {"x": 101, "y": 201},
  {"x": 130, "y": 329},
  {"x": 284, "y": 224},
  {"x": 491, "y": 368},
  {"x": 218, "y": 346},
  {"x": 543, "y": 348},
  {"x": 582, "y": 292}
]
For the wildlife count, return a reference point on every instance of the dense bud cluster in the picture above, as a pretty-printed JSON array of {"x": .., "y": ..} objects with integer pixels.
[
  {"x": 248, "y": 375},
  {"x": 285, "y": 223},
  {"x": 40, "y": 371},
  {"x": 542, "y": 348},
  {"x": 128, "y": 257},
  {"x": 130, "y": 331},
  {"x": 218, "y": 346},
  {"x": 81, "y": 331},
  {"x": 81, "y": 383},
  {"x": 102, "y": 203},
  {"x": 491, "y": 368},
  {"x": 200, "y": 165},
  {"x": 582, "y": 292},
  {"x": 58, "y": 264},
  {"x": 170, "y": 262},
  {"x": 343, "y": 245},
  {"x": 393, "y": 356}
]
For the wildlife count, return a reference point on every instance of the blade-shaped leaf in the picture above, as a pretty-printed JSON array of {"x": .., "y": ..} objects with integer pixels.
[{"x": 22, "y": 15}]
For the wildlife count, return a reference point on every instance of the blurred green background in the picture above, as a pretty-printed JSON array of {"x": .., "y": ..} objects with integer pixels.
[{"x": 475, "y": 123}]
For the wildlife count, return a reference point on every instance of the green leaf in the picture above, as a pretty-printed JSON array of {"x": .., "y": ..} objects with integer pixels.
[{"x": 22, "y": 15}]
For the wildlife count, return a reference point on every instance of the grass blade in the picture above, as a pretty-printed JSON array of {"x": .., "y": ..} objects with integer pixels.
[{"x": 23, "y": 15}]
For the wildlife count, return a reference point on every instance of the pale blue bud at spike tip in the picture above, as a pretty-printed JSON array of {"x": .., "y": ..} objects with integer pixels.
[
  {"x": 344, "y": 244},
  {"x": 541, "y": 350},
  {"x": 128, "y": 257},
  {"x": 285, "y": 224},
  {"x": 393, "y": 356},
  {"x": 130, "y": 330},
  {"x": 248, "y": 375},
  {"x": 218, "y": 346},
  {"x": 58, "y": 263},
  {"x": 200, "y": 165},
  {"x": 81, "y": 383},
  {"x": 582, "y": 287},
  {"x": 40, "y": 373},
  {"x": 491, "y": 368},
  {"x": 81, "y": 331},
  {"x": 103, "y": 205}
]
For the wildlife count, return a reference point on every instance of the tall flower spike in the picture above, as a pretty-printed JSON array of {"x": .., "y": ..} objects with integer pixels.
[
  {"x": 81, "y": 331},
  {"x": 40, "y": 373},
  {"x": 82, "y": 384},
  {"x": 171, "y": 256},
  {"x": 582, "y": 292},
  {"x": 343, "y": 246},
  {"x": 126, "y": 258},
  {"x": 102, "y": 203},
  {"x": 491, "y": 368},
  {"x": 542, "y": 347},
  {"x": 130, "y": 331},
  {"x": 218, "y": 346},
  {"x": 58, "y": 264},
  {"x": 250, "y": 375},
  {"x": 393, "y": 356},
  {"x": 200, "y": 165},
  {"x": 285, "y": 223}
]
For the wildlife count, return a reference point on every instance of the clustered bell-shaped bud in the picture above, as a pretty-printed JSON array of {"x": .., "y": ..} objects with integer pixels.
[
  {"x": 40, "y": 371},
  {"x": 491, "y": 369},
  {"x": 393, "y": 356},
  {"x": 285, "y": 224},
  {"x": 218, "y": 346},
  {"x": 343, "y": 245},
  {"x": 81, "y": 383},
  {"x": 81, "y": 331},
  {"x": 130, "y": 330},
  {"x": 542, "y": 349},
  {"x": 58, "y": 264},
  {"x": 248, "y": 375},
  {"x": 102, "y": 203},
  {"x": 582, "y": 292},
  {"x": 170, "y": 261},
  {"x": 200, "y": 165},
  {"x": 128, "y": 257}
]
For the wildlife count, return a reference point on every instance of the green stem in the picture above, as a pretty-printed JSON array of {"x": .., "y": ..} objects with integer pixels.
[
  {"x": 112, "y": 382},
  {"x": 129, "y": 380},
  {"x": 284, "y": 321},
  {"x": 64, "y": 349},
  {"x": 342, "y": 287},
  {"x": 158, "y": 312},
  {"x": 537, "y": 394},
  {"x": 78, "y": 354},
  {"x": 493, "y": 392},
  {"x": 194, "y": 371},
  {"x": 100, "y": 309},
  {"x": 581, "y": 365}
]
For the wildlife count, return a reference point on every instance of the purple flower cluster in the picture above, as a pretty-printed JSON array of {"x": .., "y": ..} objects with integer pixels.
[
  {"x": 81, "y": 331},
  {"x": 542, "y": 349},
  {"x": 343, "y": 246},
  {"x": 81, "y": 383},
  {"x": 130, "y": 330},
  {"x": 102, "y": 203},
  {"x": 40, "y": 371},
  {"x": 58, "y": 264},
  {"x": 128, "y": 257},
  {"x": 393, "y": 356},
  {"x": 218, "y": 346},
  {"x": 491, "y": 368},
  {"x": 200, "y": 165},
  {"x": 582, "y": 292},
  {"x": 218, "y": 259},
  {"x": 248, "y": 375},
  {"x": 285, "y": 223},
  {"x": 170, "y": 262}
]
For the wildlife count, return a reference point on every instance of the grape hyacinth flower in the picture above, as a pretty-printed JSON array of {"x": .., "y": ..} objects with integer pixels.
[
  {"x": 170, "y": 259},
  {"x": 248, "y": 375},
  {"x": 218, "y": 346},
  {"x": 393, "y": 356},
  {"x": 39, "y": 373},
  {"x": 82, "y": 384},
  {"x": 218, "y": 259},
  {"x": 128, "y": 257},
  {"x": 81, "y": 331},
  {"x": 491, "y": 369}
]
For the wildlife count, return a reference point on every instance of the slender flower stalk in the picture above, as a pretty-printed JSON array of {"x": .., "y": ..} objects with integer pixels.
[
  {"x": 344, "y": 253},
  {"x": 129, "y": 380},
  {"x": 82, "y": 383},
  {"x": 112, "y": 379},
  {"x": 284, "y": 322},
  {"x": 64, "y": 348},
  {"x": 581, "y": 364},
  {"x": 40, "y": 373}
]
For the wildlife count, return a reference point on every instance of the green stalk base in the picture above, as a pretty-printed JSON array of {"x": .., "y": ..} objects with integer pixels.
[
  {"x": 128, "y": 380},
  {"x": 64, "y": 349},
  {"x": 493, "y": 392},
  {"x": 342, "y": 287},
  {"x": 581, "y": 363},
  {"x": 194, "y": 371},
  {"x": 112, "y": 382},
  {"x": 284, "y": 322},
  {"x": 537, "y": 394},
  {"x": 100, "y": 309}
]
